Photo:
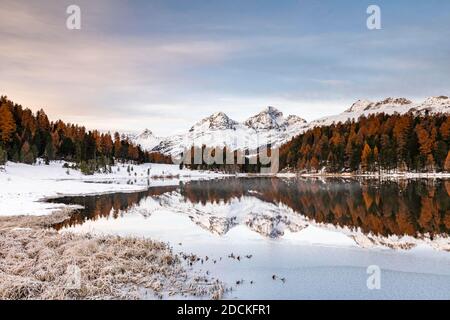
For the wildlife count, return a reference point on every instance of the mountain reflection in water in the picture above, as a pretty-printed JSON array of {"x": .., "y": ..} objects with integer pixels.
[{"x": 405, "y": 207}]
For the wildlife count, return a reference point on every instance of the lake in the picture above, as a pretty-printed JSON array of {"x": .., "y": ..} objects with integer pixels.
[{"x": 316, "y": 236}]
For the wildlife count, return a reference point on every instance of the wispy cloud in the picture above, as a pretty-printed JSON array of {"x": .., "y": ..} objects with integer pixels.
[{"x": 164, "y": 64}]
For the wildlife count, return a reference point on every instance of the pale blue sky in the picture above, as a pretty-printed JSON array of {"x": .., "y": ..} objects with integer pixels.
[{"x": 163, "y": 65}]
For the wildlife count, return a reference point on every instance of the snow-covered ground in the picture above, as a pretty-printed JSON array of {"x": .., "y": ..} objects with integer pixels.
[{"x": 23, "y": 187}]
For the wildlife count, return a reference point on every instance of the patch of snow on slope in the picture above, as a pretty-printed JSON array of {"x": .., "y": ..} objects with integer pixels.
[
  {"x": 359, "y": 106},
  {"x": 388, "y": 106}
]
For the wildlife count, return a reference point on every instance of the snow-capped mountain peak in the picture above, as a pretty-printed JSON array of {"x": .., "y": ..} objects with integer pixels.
[
  {"x": 440, "y": 104},
  {"x": 147, "y": 133},
  {"x": 272, "y": 119},
  {"x": 391, "y": 102},
  {"x": 359, "y": 106},
  {"x": 437, "y": 101},
  {"x": 294, "y": 120},
  {"x": 366, "y": 105},
  {"x": 216, "y": 121},
  {"x": 147, "y": 140},
  {"x": 273, "y": 111},
  {"x": 269, "y": 118}
]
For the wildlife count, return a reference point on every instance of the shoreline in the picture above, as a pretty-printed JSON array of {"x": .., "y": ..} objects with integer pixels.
[
  {"x": 403, "y": 175},
  {"x": 34, "y": 259},
  {"x": 26, "y": 187}
]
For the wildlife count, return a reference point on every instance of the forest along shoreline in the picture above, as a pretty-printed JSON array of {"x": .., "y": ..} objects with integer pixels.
[{"x": 387, "y": 175}]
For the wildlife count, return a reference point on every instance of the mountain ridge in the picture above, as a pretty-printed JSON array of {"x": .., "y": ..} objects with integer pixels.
[{"x": 270, "y": 126}]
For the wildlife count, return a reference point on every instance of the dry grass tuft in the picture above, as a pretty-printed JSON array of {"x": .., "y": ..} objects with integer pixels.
[
  {"x": 27, "y": 221},
  {"x": 34, "y": 265}
]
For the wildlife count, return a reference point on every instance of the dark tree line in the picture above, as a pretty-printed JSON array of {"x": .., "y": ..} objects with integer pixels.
[
  {"x": 227, "y": 161},
  {"x": 25, "y": 136},
  {"x": 380, "y": 142}
]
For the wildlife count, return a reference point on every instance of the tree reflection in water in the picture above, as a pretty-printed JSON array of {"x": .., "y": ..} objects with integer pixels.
[{"x": 411, "y": 207}]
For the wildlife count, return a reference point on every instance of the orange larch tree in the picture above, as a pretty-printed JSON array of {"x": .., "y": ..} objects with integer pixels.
[{"x": 7, "y": 123}]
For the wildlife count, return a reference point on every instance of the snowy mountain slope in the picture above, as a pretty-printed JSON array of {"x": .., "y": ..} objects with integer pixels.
[
  {"x": 366, "y": 105},
  {"x": 389, "y": 106},
  {"x": 218, "y": 130},
  {"x": 271, "y": 127},
  {"x": 217, "y": 121},
  {"x": 147, "y": 140}
]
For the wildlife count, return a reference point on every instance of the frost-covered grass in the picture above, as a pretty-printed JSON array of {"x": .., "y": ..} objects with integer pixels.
[
  {"x": 34, "y": 264},
  {"x": 31, "y": 221}
]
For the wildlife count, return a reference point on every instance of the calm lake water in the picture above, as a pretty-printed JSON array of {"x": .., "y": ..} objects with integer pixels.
[
  {"x": 385, "y": 208},
  {"x": 267, "y": 219}
]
